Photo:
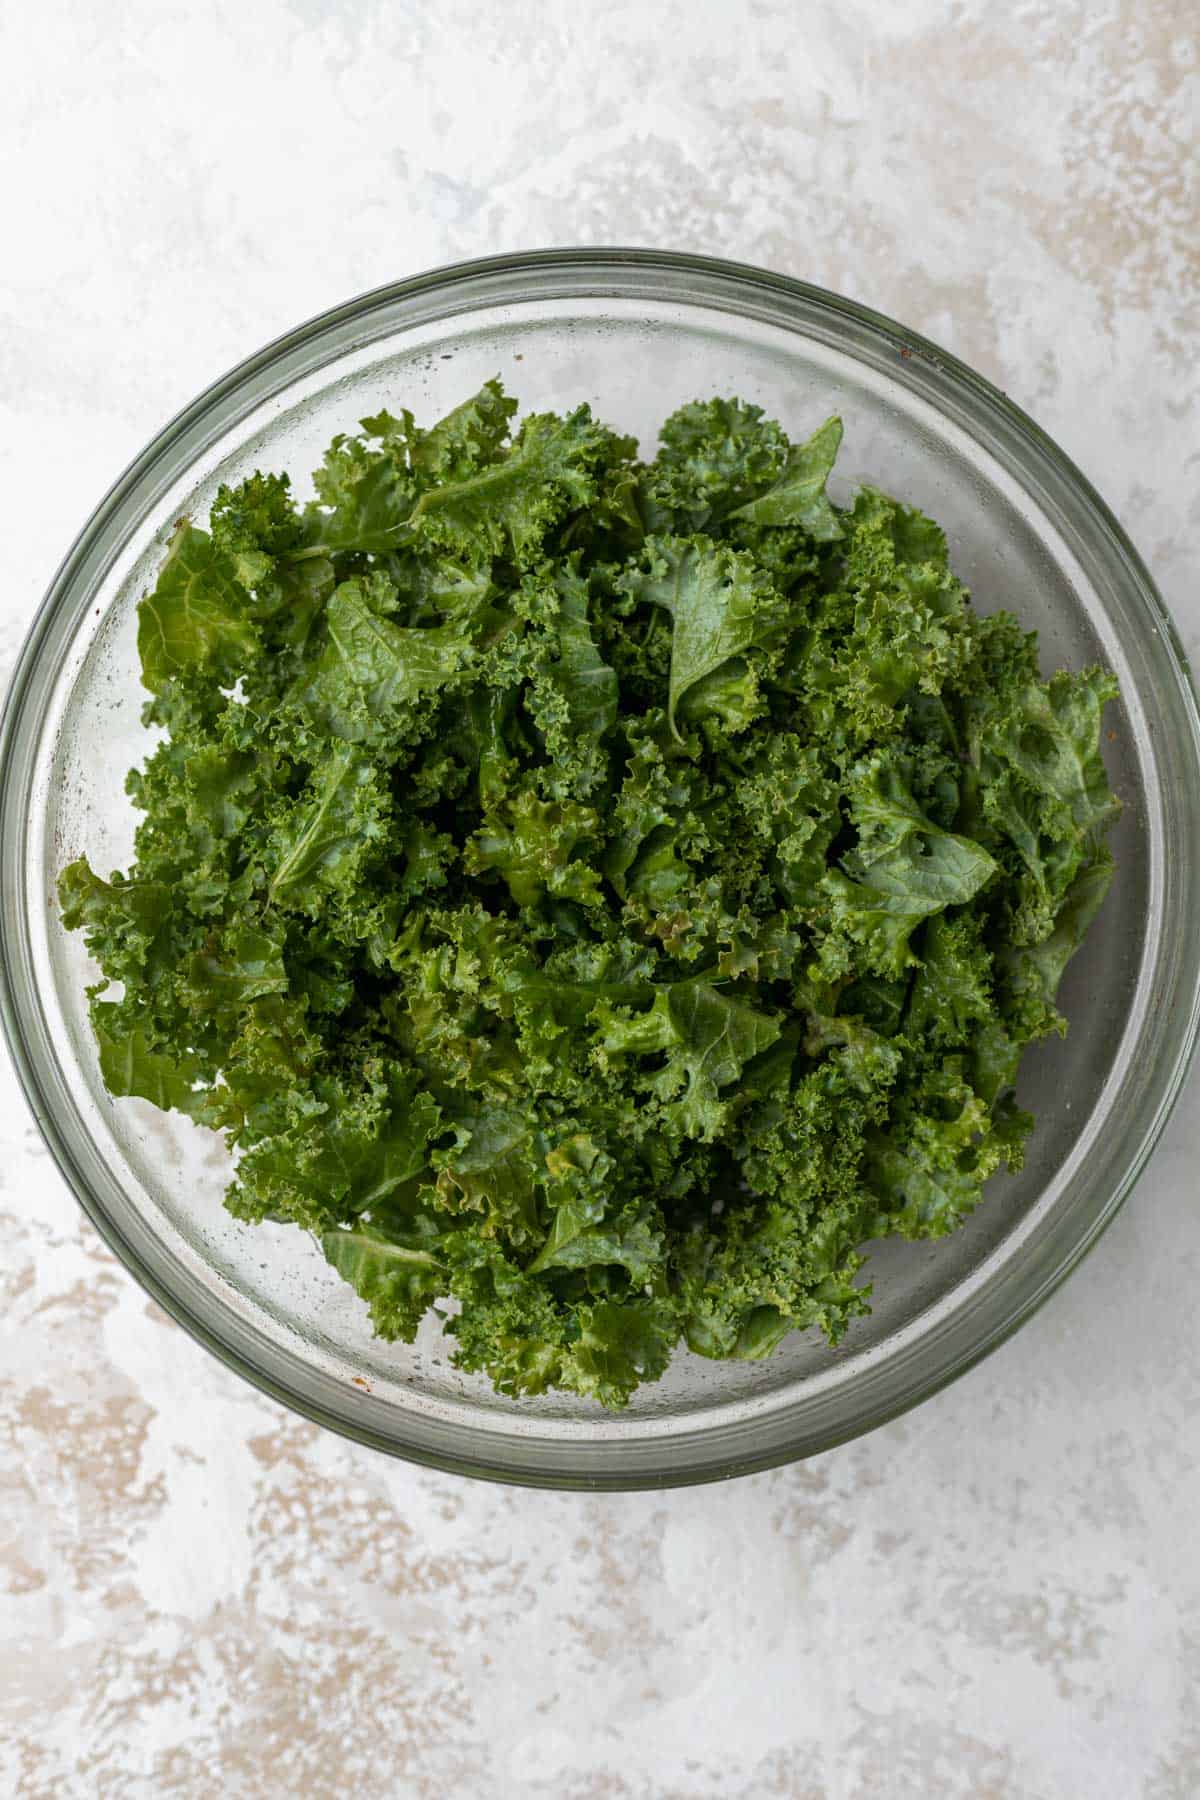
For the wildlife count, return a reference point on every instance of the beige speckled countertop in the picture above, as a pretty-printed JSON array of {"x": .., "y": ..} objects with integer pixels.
[{"x": 996, "y": 1598}]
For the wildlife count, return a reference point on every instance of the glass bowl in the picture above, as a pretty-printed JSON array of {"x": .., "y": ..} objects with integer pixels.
[{"x": 635, "y": 333}]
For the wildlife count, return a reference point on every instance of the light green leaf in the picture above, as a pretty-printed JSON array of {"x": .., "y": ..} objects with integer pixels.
[
  {"x": 195, "y": 620},
  {"x": 798, "y": 497}
]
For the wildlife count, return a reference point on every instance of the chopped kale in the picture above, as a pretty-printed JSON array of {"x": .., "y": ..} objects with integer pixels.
[{"x": 602, "y": 893}]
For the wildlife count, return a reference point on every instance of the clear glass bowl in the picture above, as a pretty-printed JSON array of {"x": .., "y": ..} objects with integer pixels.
[{"x": 635, "y": 333}]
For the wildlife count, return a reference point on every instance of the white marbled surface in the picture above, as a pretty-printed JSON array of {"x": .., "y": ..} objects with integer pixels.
[{"x": 999, "y": 1596}]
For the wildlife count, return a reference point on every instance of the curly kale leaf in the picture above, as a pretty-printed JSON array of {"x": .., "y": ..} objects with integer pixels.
[
  {"x": 705, "y": 1038},
  {"x": 370, "y": 670},
  {"x": 323, "y": 840},
  {"x": 797, "y": 496},
  {"x": 511, "y": 504},
  {"x": 351, "y": 1147},
  {"x": 197, "y": 620},
  {"x": 581, "y": 679},
  {"x": 903, "y": 869},
  {"x": 720, "y": 608},
  {"x": 459, "y": 445},
  {"x": 399, "y": 1281},
  {"x": 713, "y": 455},
  {"x": 131, "y": 1065}
]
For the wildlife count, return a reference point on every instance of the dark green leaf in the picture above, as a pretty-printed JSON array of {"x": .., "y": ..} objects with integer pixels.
[{"x": 719, "y": 605}]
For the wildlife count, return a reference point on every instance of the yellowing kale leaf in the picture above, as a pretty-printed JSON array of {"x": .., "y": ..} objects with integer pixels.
[{"x": 598, "y": 894}]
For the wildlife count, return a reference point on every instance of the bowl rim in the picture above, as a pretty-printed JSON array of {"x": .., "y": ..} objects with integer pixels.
[{"x": 501, "y": 1461}]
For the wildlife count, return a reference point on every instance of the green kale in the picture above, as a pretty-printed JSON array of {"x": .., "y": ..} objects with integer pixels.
[{"x": 599, "y": 895}]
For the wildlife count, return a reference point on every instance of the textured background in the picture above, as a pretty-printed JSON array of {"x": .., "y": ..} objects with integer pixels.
[{"x": 997, "y": 1597}]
